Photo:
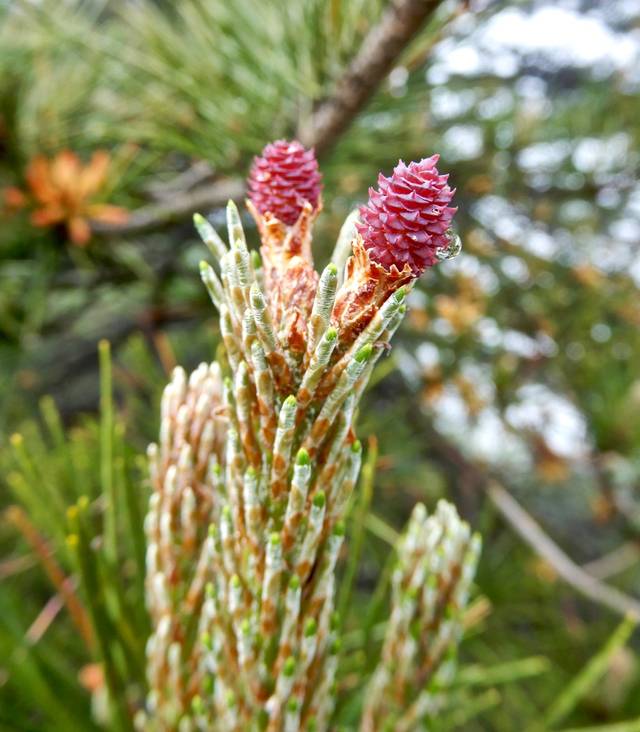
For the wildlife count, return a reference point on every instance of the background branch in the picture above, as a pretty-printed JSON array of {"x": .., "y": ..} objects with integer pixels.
[
  {"x": 194, "y": 176},
  {"x": 477, "y": 480},
  {"x": 566, "y": 568},
  {"x": 182, "y": 204},
  {"x": 382, "y": 46},
  {"x": 380, "y": 49},
  {"x": 619, "y": 560}
]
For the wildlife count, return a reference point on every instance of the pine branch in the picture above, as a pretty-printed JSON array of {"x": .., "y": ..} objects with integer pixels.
[
  {"x": 566, "y": 568},
  {"x": 379, "y": 51},
  {"x": 183, "y": 204},
  {"x": 615, "y": 562},
  {"x": 193, "y": 177}
]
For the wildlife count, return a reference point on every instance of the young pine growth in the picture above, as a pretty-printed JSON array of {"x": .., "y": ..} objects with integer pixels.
[
  {"x": 437, "y": 559},
  {"x": 257, "y": 459}
]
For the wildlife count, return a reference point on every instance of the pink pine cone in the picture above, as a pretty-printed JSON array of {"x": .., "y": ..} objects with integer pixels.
[
  {"x": 406, "y": 219},
  {"x": 283, "y": 178}
]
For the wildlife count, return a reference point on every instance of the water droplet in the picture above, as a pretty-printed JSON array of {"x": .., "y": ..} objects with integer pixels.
[{"x": 452, "y": 250}]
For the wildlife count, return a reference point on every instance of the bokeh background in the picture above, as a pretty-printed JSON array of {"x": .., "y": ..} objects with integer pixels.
[{"x": 517, "y": 368}]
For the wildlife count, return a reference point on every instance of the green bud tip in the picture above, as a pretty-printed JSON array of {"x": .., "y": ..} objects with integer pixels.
[
  {"x": 302, "y": 458},
  {"x": 319, "y": 499},
  {"x": 274, "y": 539},
  {"x": 245, "y": 626},
  {"x": 400, "y": 294},
  {"x": 357, "y": 446},
  {"x": 228, "y": 384},
  {"x": 257, "y": 300},
  {"x": 226, "y": 512},
  {"x": 206, "y": 640},
  {"x": 292, "y": 705},
  {"x": 336, "y": 645},
  {"x": 310, "y": 628},
  {"x": 197, "y": 705},
  {"x": 364, "y": 354},
  {"x": 199, "y": 219},
  {"x": 294, "y": 582},
  {"x": 331, "y": 335},
  {"x": 263, "y": 718},
  {"x": 231, "y": 699},
  {"x": 289, "y": 666},
  {"x": 256, "y": 261},
  {"x": 290, "y": 402},
  {"x": 332, "y": 269},
  {"x": 204, "y": 267},
  {"x": 415, "y": 628},
  {"x": 213, "y": 531},
  {"x": 402, "y": 309},
  {"x": 339, "y": 528},
  {"x": 235, "y": 581},
  {"x": 251, "y": 472}
]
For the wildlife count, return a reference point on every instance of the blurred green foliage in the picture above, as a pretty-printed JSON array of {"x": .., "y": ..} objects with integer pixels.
[{"x": 522, "y": 353}]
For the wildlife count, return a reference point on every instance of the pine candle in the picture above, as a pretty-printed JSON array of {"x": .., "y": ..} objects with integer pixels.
[{"x": 258, "y": 457}]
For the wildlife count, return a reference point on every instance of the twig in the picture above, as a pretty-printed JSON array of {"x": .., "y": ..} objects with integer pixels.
[
  {"x": 194, "y": 176},
  {"x": 53, "y": 570},
  {"x": 381, "y": 47},
  {"x": 15, "y": 565},
  {"x": 566, "y": 568},
  {"x": 181, "y": 205},
  {"x": 619, "y": 560},
  {"x": 45, "y": 617}
]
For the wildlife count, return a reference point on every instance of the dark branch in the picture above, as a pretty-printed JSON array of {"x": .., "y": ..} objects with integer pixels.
[
  {"x": 182, "y": 204},
  {"x": 198, "y": 174},
  {"x": 399, "y": 24}
]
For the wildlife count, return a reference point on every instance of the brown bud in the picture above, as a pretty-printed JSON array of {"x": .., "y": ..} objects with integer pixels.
[
  {"x": 289, "y": 276},
  {"x": 366, "y": 286}
]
